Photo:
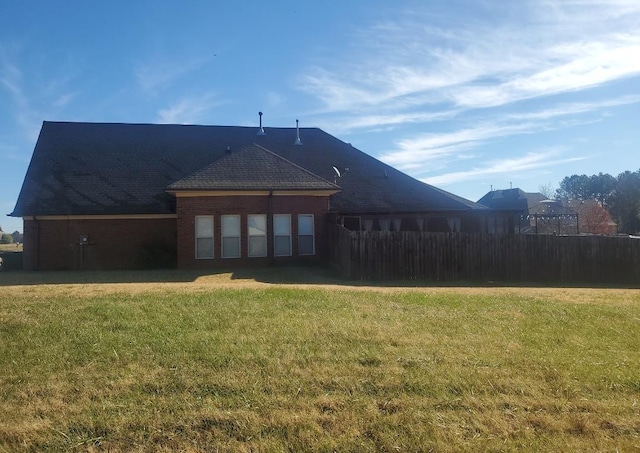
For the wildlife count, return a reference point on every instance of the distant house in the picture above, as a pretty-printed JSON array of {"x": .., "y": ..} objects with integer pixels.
[
  {"x": 512, "y": 204},
  {"x": 102, "y": 196},
  {"x": 534, "y": 213}
]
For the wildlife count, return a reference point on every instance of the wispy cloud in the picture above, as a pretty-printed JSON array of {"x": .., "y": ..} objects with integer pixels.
[
  {"x": 413, "y": 152},
  {"x": 64, "y": 99},
  {"x": 11, "y": 79},
  {"x": 274, "y": 99},
  {"x": 552, "y": 47},
  {"x": 504, "y": 70},
  {"x": 416, "y": 151},
  {"x": 188, "y": 110},
  {"x": 156, "y": 74},
  {"x": 530, "y": 161},
  {"x": 31, "y": 101},
  {"x": 582, "y": 66},
  {"x": 575, "y": 108},
  {"x": 347, "y": 123}
]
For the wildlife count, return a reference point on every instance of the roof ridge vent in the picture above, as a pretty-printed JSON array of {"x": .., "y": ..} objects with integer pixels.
[
  {"x": 261, "y": 130},
  {"x": 297, "y": 142}
]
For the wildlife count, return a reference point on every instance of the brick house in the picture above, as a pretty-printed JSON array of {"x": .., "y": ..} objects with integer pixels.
[{"x": 112, "y": 195}]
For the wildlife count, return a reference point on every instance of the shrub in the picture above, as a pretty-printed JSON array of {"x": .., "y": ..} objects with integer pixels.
[{"x": 6, "y": 239}]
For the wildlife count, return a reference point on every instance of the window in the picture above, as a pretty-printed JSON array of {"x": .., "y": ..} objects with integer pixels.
[
  {"x": 306, "y": 242},
  {"x": 230, "y": 236},
  {"x": 257, "y": 231},
  {"x": 204, "y": 237},
  {"x": 282, "y": 235}
]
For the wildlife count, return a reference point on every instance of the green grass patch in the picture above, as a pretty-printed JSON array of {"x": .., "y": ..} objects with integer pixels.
[{"x": 290, "y": 369}]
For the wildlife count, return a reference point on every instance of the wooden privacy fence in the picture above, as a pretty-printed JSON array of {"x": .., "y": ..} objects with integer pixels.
[{"x": 377, "y": 255}]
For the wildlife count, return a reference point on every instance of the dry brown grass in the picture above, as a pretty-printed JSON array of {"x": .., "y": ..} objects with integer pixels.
[
  {"x": 294, "y": 359},
  {"x": 11, "y": 247}
]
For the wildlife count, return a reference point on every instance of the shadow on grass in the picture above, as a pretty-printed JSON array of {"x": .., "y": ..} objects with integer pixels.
[{"x": 277, "y": 274}]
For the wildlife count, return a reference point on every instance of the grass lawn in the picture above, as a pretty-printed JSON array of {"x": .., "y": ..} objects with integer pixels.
[
  {"x": 11, "y": 247},
  {"x": 180, "y": 362}
]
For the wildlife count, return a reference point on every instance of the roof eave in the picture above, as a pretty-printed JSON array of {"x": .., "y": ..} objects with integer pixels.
[{"x": 186, "y": 193}]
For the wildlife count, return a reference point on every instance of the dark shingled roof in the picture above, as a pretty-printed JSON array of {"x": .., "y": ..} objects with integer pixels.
[
  {"x": 512, "y": 200},
  {"x": 506, "y": 200},
  {"x": 252, "y": 168},
  {"x": 114, "y": 168}
]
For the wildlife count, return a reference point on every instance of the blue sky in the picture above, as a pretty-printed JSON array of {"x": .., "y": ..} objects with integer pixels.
[{"x": 463, "y": 94}]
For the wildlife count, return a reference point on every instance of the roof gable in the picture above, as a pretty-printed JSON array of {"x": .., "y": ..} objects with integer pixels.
[{"x": 252, "y": 168}]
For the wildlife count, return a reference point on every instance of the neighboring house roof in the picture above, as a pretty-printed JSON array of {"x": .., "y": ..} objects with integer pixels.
[
  {"x": 524, "y": 202},
  {"x": 115, "y": 168},
  {"x": 506, "y": 200},
  {"x": 547, "y": 206},
  {"x": 252, "y": 168},
  {"x": 534, "y": 199}
]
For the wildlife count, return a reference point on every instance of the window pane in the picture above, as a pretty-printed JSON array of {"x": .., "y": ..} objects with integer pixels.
[
  {"x": 204, "y": 248},
  {"x": 282, "y": 225},
  {"x": 231, "y": 225},
  {"x": 258, "y": 246},
  {"x": 305, "y": 245},
  {"x": 204, "y": 226},
  {"x": 282, "y": 246},
  {"x": 231, "y": 247},
  {"x": 305, "y": 224},
  {"x": 204, "y": 237},
  {"x": 257, "y": 225}
]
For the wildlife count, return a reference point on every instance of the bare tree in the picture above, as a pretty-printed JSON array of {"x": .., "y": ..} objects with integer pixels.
[{"x": 547, "y": 190}]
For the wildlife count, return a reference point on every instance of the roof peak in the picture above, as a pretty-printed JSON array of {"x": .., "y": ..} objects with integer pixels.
[
  {"x": 163, "y": 125},
  {"x": 252, "y": 167}
]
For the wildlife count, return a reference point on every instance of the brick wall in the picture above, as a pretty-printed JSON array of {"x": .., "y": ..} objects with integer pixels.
[
  {"x": 112, "y": 244},
  {"x": 190, "y": 207}
]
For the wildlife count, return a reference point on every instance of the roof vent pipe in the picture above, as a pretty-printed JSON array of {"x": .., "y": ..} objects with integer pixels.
[
  {"x": 297, "y": 142},
  {"x": 261, "y": 130}
]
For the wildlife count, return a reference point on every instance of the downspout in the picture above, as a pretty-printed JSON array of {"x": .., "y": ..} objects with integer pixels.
[
  {"x": 37, "y": 222},
  {"x": 270, "y": 236},
  {"x": 73, "y": 248}
]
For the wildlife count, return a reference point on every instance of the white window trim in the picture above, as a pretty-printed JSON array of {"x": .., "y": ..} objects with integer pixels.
[
  {"x": 274, "y": 235},
  {"x": 249, "y": 236},
  {"x": 222, "y": 236},
  {"x": 213, "y": 242},
  {"x": 313, "y": 234}
]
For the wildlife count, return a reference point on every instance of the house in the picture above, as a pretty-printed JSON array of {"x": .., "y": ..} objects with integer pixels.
[
  {"x": 530, "y": 212},
  {"x": 113, "y": 195},
  {"x": 534, "y": 213},
  {"x": 512, "y": 204}
]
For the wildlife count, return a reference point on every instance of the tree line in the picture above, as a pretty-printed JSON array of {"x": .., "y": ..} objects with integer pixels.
[
  {"x": 6, "y": 238},
  {"x": 619, "y": 195}
]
